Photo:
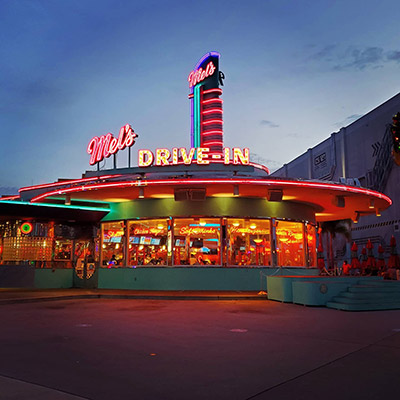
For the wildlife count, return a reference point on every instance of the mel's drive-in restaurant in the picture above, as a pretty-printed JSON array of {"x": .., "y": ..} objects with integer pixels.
[{"x": 198, "y": 218}]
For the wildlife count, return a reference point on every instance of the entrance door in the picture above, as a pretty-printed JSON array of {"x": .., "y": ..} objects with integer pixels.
[{"x": 85, "y": 267}]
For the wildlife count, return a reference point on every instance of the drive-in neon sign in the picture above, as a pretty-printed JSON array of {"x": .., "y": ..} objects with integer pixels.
[
  {"x": 106, "y": 145},
  {"x": 163, "y": 157}
]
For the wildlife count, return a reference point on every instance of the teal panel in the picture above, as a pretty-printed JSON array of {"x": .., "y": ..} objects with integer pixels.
[
  {"x": 53, "y": 278},
  {"x": 198, "y": 278},
  {"x": 212, "y": 206}
]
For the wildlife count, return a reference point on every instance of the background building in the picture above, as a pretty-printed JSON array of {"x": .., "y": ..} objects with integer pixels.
[{"x": 359, "y": 154}]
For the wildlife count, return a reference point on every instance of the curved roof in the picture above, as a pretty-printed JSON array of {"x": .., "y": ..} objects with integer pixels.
[{"x": 331, "y": 201}]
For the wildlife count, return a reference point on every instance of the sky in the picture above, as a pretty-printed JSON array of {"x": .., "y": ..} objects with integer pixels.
[{"x": 295, "y": 71}]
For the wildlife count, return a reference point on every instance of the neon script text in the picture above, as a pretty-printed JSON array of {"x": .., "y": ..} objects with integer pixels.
[
  {"x": 200, "y": 74},
  {"x": 105, "y": 145}
]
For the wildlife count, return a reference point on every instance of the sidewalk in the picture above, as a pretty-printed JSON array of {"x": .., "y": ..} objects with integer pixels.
[{"x": 23, "y": 295}]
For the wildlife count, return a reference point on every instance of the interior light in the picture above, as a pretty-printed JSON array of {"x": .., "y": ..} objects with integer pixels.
[
  {"x": 160, "y": 227},
  {"x": 253, "y": 226},
  {"x": 236, "y": 224},
  {"x": 202, "y": 223}
]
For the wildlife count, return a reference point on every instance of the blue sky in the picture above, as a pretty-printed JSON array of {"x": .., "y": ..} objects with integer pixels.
[{"x": 296, "y": 71}]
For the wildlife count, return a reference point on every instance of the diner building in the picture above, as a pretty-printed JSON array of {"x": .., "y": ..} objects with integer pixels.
[{"x": 203, "y": 218}]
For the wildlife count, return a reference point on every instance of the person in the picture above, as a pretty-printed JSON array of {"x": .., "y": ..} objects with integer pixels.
[
  {"x": 113, "y": 261},
  {"x": 346, "y": 268}
]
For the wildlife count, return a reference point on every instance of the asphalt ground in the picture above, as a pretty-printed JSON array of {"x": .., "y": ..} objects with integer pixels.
[{"x": 221, "y": 349}]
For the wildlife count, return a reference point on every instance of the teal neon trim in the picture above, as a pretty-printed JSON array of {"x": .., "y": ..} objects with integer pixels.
[
  {"x": 197, "y": 119},
  {"x": 26, "y": 203}
]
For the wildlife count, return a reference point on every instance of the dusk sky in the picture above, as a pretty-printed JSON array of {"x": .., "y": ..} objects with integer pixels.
[{"x": 296, "y": 71}]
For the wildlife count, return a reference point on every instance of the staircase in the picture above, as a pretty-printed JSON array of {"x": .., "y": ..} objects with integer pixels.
[{"x": 368, "y": 296}]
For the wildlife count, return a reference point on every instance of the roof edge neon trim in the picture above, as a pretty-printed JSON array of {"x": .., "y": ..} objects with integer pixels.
[{"x": 178, "y": 182}]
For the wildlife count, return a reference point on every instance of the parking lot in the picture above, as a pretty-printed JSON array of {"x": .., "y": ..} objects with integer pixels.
[{"x": 195, "y": 349}]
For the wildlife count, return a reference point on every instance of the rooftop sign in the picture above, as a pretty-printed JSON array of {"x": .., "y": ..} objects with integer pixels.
[{"x": 106, "y": 145}]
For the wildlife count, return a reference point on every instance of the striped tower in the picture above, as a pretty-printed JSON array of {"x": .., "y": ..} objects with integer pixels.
[{"x": 206, "y": 105}]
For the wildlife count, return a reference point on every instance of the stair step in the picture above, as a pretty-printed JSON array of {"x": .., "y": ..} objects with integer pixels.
[
  {"x": 363, "y": 307},
  {"x": 368, "y": 300},
  {"x": 374, "y": 289},
  {"x": 370, "y": 295}
]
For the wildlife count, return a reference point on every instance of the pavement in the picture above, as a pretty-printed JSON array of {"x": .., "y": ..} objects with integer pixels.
[
  {"x": 152, "y": 348},
  {"x": 23, "y": 295}
]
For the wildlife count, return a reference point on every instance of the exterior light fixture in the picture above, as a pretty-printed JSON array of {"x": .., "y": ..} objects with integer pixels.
[
  {"x": 235, "y": 190},
  {"x": 356, "y": 217},
  {"x": 67, "y": 200},
  {"x": 377, "y": 212},
  {"x": 372, "y": 204},
  {"x": 141, "y": 193}
]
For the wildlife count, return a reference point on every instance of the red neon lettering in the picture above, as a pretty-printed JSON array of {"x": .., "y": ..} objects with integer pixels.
[
  {"x": 105, "y": 145},
  {"x": 200, "y": 74}
]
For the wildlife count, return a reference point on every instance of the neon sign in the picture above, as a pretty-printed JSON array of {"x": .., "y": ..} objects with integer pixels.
[
  {"x": 111, "y": 233},
  {"x": 105, "y": 145},
  {"x": 200, "y": 74},
  {"x": 255, "y": 231},
  {"x": 148, "y": 231},
  {"x": 190, "y": 231},
  {"x": 163, "y": 157},
  {"x": 26, "y": 228}
]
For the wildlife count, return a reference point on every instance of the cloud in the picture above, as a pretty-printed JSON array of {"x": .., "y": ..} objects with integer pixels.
[
  {"x": 272, "y": 165},
  {"x": 361, "y": 59},
  {"x": 270, "y": 124},
  {"x": 348, "y": 120},
  {"x": 325, "y": 52},
  {"x": 354, "y": 58},
  {"x": 393, "y": 56}
]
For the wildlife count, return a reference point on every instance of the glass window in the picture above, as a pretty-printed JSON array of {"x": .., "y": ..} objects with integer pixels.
[
  {"x": 249, "y": 242},
  {"x": 312, "y": 245},
  {"x": 148, "y": 242},
  {"x": 63, "y": 249},
  {"x": 289, "y": 243},
  {"x": 197, "y": 241},
  {"x": 113, "y": 244}
]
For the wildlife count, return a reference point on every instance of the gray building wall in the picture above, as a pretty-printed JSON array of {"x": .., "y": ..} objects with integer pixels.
[{"x": 352, "y": 153}]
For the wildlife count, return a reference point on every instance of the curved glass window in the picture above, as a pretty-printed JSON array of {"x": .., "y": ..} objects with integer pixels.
[
  {"x": 290, "y": 243},
  {"x": 148, "y": 242},
  {"x": 248, "y": 241},
  {"x": 197, "y": 241}
]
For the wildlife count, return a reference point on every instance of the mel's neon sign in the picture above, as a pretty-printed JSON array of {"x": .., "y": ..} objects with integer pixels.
[
  {"x": 200, "y": 74},
  {"x": 162, "y": 157},
  {"x": 106, "y": 145}
]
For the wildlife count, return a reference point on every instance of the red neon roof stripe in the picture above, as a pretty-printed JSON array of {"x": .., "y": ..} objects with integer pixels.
[
  {"x": 67, "y": 182},
  {"x": 211, "y": 100},
  {"x": 213, "y": 110},
  {"x": 179, "y": 182},
  {"x": 212, "y": 121},
  {"x": 212, "y": 91},
  {"x": 214, "y": 132},
  {"x": 10, "y": 197}
]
